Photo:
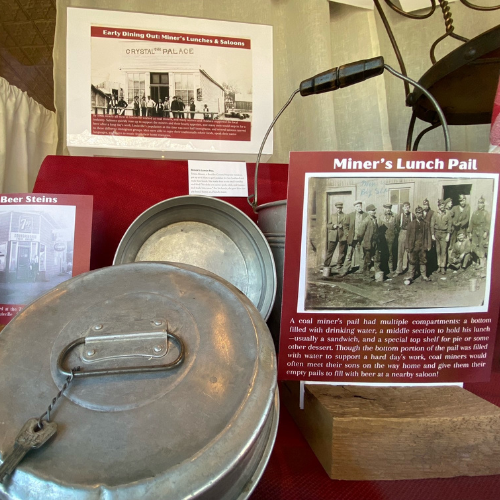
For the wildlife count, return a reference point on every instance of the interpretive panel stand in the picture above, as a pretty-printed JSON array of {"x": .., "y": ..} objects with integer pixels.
[
  {"x": 373, "y": 433},
  {"x": 389, "y": 259}
]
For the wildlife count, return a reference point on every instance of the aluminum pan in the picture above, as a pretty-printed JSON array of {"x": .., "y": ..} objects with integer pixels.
[
  {"x": 207, "y": 233},
  {"x": 101, "y": 453}
]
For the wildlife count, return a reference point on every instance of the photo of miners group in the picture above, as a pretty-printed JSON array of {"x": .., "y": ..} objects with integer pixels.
[{"x": 380, "y": 231}]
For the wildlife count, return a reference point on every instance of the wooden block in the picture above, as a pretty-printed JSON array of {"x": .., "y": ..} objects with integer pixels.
[{"x": 373, "y": 433}]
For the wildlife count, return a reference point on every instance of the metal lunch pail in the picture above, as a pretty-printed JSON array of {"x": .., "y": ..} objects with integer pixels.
[
  {"x": 272, "y": 222},
  {"x": 186, "y": 408}
]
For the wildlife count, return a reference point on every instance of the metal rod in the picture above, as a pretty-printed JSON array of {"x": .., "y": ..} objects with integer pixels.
[
  {"x": 448, "y": 22},
  {"x": 440, "y": 39},
  {"x": 394, "y": 44},
  {"x": 252, "y": 199},
  {"x": 408, "y": 14},
  {"x": 409, "y": 136},
  {"x": 479, "y": 7},
  {"x": 431, "y": 98},
  {"x": 419, "y": 136}
]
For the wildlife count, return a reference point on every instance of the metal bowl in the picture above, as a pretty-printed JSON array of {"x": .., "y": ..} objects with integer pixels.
[{"x": 207, "y": 233}]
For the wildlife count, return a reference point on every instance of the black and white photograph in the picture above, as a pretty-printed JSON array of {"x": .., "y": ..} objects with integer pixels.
[
  {"x": 36, "y": 250},
  {"x": 394, "y": 242},
  {"x": 146, "y": 78}
]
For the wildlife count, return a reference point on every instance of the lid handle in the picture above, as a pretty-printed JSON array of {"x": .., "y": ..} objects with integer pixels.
[{"x": 121, "y": 370}]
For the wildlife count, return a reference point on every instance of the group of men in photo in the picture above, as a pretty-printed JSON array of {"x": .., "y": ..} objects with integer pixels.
[
  {"x": 116, "y": 106},
  {"x": 420, "y": 243},
  {"x": 164, "y": 108}
]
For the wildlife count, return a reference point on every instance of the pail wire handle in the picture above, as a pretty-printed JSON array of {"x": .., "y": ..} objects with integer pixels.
[
  {"x": 252, "y": 199},
  {"x": 340, "y": 77}
]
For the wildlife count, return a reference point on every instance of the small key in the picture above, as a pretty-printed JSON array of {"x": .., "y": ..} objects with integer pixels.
[{"x": 29, "y": 438}]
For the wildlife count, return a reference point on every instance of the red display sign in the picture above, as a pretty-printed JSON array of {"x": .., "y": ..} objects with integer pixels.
[
  {"x": 56, "y": 248},
  {"x": 170, "y": 37},
  {"x": 389, "y": 265},
  {"x": 132, "y": 126}
]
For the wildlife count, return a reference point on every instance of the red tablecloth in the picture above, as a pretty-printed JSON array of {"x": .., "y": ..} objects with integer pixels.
[{"x": 122, "y": 190}]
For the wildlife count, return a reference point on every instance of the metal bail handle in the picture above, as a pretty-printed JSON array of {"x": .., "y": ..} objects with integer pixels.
[
  {"x": 118, "y": 371},
  {"x": 253, "y": 198}
]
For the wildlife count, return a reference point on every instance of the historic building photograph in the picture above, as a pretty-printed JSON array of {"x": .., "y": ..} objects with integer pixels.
[
  {"x": 170, "y": 80},
  {"x": 36, "y": 250}
]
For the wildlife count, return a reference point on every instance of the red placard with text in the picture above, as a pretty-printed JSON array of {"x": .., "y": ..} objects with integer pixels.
[
  {"x": 390, "y": 260},
  {"x": 44, "y": 240}
]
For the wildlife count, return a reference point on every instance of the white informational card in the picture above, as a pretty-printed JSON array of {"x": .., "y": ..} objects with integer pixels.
[
  {"x": 167, "y": 87},
  {"x": 218, "y": 178}
]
